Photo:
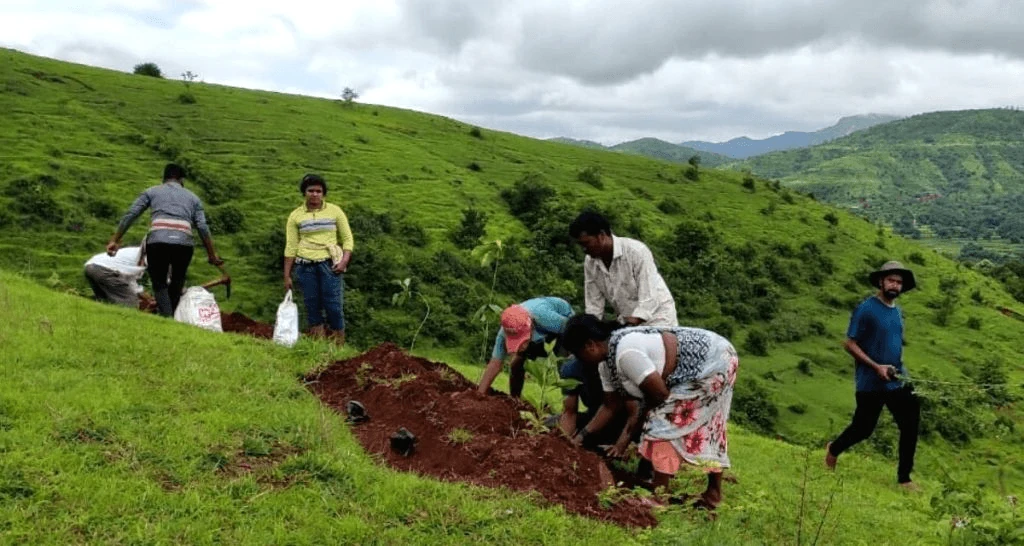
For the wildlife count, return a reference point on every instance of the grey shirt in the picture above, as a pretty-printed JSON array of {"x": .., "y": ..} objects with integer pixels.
[{"x": 174, "y": 204}]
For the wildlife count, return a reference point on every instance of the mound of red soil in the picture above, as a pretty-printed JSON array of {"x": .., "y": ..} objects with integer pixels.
[
  {"x": 241, "y": 324},
  {"x": 431, "y": 400}
]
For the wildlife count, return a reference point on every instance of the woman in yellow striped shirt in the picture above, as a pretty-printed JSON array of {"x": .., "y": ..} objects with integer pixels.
[{"x": 318, "y": 242}]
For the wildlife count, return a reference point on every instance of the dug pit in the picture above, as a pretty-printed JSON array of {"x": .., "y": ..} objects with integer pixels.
[{"x": 464, "y": 436}]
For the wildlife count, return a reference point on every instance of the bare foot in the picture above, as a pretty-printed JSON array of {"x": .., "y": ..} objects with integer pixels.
[
  {"x": 830, "y": 459},
  {"x": 911, "y": 486},
  {"x": 708, "y": 500}
]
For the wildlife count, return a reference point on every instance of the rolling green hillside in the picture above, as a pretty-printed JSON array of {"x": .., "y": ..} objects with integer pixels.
[
  {"x": 957, "y": 175},
  {"x": 775, "y": 271}
]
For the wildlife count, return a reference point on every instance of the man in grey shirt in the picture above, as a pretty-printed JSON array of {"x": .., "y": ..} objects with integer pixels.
[{"x": 169, "y": 245}]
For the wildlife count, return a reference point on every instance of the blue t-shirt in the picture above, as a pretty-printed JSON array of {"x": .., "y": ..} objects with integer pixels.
[
  {"x": 878, "y": 330},
  {"x": 589, "y": 390},
  {"x": 549, "y": 316}
]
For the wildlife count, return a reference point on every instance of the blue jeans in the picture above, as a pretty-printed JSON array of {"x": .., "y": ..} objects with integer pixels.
[{"x": 323, "y": 293}]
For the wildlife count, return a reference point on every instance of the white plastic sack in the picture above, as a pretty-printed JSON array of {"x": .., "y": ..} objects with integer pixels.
[
  {"x": 286, "y": 327},
  {"x": 199, "y": 308}
]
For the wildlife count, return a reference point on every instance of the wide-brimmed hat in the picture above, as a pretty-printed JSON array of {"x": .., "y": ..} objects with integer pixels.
[
  {"x": 894, "y": 267},
  {"x": 517, "y": 324}
]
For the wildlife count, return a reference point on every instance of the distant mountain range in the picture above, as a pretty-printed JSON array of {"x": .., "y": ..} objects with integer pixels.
[
  {"x": 718, "y": 153},
  {"x": 743, "y": 147},
  {"x": 655, "y": 148}
]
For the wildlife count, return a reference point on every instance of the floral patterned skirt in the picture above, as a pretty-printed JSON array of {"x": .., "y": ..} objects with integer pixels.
[{"x": 690, "y": 425}]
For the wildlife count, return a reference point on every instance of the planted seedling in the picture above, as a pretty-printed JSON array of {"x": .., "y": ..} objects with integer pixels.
[
  {"x": 545, "y": 372},
  {"x": 534, "y": 425},
  {"x": 459, "y": 436},
  {"x": 404, "y": 294},
  {"x": 397, "y": 381},
  {"x": 614, "y": 494},
  {"x": 488, "y": 254},
  {"x": 362, "y": 374}
]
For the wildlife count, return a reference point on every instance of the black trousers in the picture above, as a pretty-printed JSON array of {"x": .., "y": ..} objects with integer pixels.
[
  {"x": 161, "y": 258},
  {"x": 906, "y": 411}
]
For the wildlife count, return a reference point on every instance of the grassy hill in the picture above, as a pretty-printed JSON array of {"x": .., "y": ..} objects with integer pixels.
[
  {"x": 957, "y": 175},
  {"x": 123, "y": 428},
  {"x": 773, "y": 270}
]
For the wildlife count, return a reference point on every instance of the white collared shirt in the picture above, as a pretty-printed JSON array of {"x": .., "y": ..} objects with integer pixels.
[{"x": 631, "y": 284}]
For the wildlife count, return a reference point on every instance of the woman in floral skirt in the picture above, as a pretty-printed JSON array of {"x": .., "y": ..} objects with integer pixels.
[{"x": 684, "y": 376}]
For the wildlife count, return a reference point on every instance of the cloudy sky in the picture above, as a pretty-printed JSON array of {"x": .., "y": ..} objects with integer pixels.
[{"x": 603, "y": 70}]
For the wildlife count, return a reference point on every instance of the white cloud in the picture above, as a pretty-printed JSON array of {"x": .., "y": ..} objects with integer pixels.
[{"x": 598, "y": 69}]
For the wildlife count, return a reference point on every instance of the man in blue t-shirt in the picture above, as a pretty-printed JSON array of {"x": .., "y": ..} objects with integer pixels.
[{"x": 875, "y": 339}]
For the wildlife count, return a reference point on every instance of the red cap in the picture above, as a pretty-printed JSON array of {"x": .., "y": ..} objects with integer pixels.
[{"x": 517, "y": 325}]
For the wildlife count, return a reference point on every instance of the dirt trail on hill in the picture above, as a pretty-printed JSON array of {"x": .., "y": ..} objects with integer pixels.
[{"x": 494, "y": 446}]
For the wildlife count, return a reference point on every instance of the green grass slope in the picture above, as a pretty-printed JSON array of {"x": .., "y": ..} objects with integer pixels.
[
  {"x": 958, "y": 174},
  {"x": 117, "y": 427},
  {"x": 773, "y": 270}
]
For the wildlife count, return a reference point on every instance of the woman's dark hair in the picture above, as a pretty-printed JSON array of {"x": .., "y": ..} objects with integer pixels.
[
  {"x": 174, "y": 171},
  {"x": 590, "y": 223},
  {"x": 312, "y": 180},
  {"x": 580, "y": 329}
]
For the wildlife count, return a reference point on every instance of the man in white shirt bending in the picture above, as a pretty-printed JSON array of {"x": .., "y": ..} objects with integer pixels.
[
  {"x": 621, "y": 271},
  {"x": 115, "y": 279}
]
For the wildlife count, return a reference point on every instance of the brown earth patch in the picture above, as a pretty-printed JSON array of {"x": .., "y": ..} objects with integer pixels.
[{"x": 492, "y": 445}]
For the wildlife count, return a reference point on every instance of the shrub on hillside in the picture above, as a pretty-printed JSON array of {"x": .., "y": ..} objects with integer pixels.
[
  {"x": 366, "y": 223},
  {"x": 591, "y": 175},
  {"x": 527, "y": 197},
  {"x": 148, "y": 69},
  {"x": 266, "y": 250},
  {"x": 691, "y": 173},
  {"x": 670, "y": 206},
  {"x": 799, "y": 408},
  {"x": 752, "y": 406},
  {"x": 831, "y": 218},
  {"x": 226, "y": 219},
  {"x": 475, "y": 133},
  {"x": 748, "y": 184},
  {"x": 32, "y": 199},
  {"x": 691, "y": 240},
  {"x": 413, "y": 235},
  {"x": 475, "y": 167},
  {"x": 974, "y": 323},
  {"x": 471, "y": 228},
  {"x": 100, "y": 208},
  {"x": 756, "y": 343},
  {"x": 991, "y": 376}
]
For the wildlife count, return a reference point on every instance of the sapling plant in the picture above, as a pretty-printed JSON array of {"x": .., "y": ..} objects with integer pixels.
[
  {"x": 405, "y": 294},
  {"x": 489, "y": 254},
  {"x": 545, "y": 373}
]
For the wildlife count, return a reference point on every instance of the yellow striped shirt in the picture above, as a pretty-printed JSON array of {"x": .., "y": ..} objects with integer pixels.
[{"x": 308, "y": 233}]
